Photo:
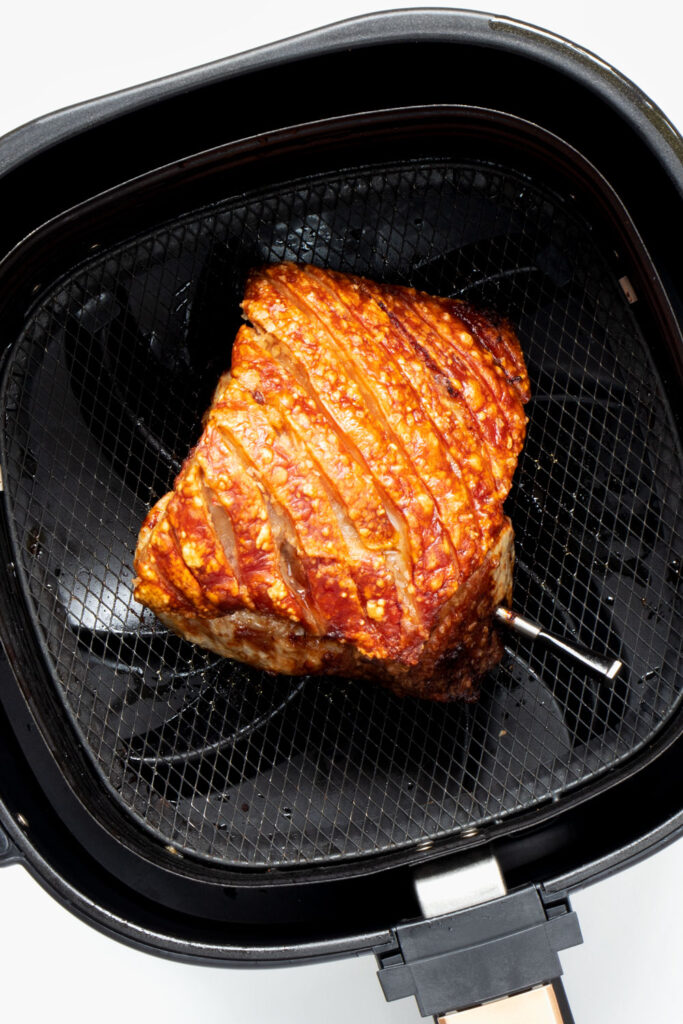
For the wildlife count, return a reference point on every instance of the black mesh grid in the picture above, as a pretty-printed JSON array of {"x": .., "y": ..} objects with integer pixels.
[{"x": 103, "y": 398}]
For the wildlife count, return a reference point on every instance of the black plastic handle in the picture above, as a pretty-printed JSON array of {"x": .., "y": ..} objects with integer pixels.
[{"x": 482, "y": 953}]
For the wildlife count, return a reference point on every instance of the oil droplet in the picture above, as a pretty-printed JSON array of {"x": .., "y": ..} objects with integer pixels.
[{"x": 609, "y": 599}]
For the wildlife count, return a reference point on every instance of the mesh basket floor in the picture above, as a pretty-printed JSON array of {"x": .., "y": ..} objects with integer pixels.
[{"x": 103, "y": 398}]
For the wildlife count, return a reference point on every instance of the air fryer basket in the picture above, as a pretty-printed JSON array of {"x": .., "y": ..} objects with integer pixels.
[{"x": 103, "y": 392}]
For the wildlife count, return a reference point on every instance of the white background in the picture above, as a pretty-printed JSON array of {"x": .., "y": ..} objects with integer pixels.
[{"x": 55, "y": 968}]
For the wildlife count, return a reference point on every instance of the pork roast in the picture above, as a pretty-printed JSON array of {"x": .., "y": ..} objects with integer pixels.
[{"x": 342, "y": 511}]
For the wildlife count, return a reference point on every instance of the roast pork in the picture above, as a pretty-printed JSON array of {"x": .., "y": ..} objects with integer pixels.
[{"x": 342, "y": 511}]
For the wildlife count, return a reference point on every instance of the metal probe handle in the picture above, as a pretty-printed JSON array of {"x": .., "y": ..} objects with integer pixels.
[{"x": 608, "y": 667}]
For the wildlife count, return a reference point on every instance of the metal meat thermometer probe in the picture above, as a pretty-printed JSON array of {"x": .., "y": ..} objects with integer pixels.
[{"x": 609, "y": 667}]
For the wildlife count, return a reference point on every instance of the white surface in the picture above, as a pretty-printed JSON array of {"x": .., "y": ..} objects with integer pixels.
[
  {"x": 53, "y": 54},
  {"x": 55, "y": 968}
]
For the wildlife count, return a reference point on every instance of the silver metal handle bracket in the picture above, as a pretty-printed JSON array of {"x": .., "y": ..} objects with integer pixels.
[{"x": 468, "y": 881}]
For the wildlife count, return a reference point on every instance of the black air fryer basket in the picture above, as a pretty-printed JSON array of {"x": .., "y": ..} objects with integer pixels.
[{"x": 143, "y": 776}]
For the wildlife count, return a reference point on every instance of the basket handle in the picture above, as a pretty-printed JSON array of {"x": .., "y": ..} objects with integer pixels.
[{"x": 481, "y": 954}]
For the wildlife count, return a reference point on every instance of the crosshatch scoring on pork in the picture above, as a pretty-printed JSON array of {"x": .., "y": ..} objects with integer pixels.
[{"x": 342, "y": 511}]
